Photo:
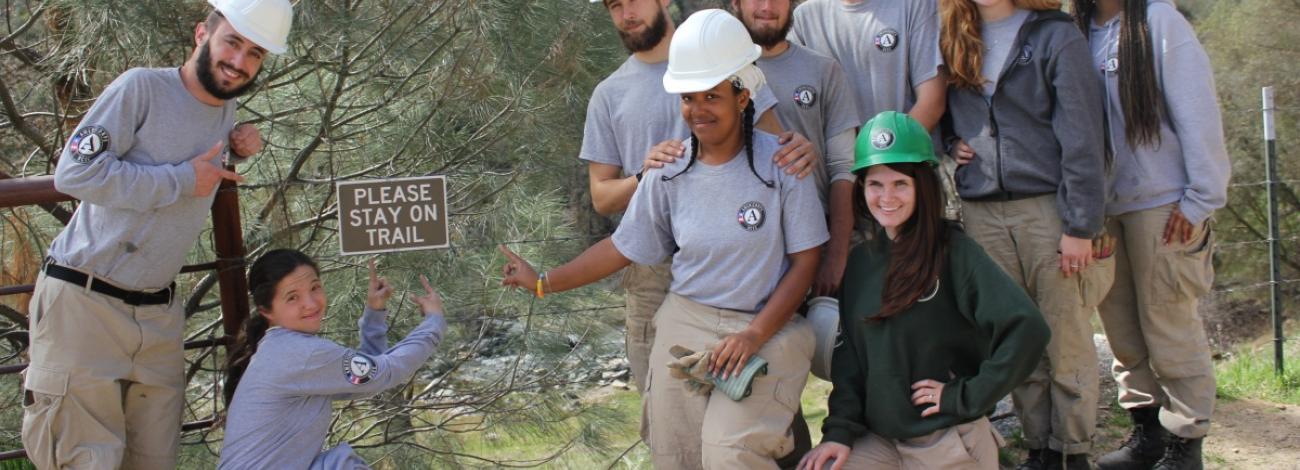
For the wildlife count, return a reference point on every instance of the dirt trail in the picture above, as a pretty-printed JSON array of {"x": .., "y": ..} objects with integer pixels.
[{"x": 1252, "y": 434}]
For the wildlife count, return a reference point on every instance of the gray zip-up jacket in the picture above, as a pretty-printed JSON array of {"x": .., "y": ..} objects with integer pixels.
[
  {"x": 1190, "y": 164},
  {"x": 1041, "y": 131},
  {"x": 280, "y": 414}
]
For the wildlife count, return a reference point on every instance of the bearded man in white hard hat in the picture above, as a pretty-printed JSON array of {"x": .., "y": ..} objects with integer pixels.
[{"x": 105, "y": 387}]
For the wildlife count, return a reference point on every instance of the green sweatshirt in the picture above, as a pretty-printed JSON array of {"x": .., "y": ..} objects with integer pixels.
[{"x": 980, "y": 334}]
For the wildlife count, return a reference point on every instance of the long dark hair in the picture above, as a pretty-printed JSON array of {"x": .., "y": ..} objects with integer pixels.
[
  {"x": 917, "y": 255},
  {"x": 747, "y": 129},
  {"x": 266, "y": 273},
  {"x": 1139, "y": 94}
]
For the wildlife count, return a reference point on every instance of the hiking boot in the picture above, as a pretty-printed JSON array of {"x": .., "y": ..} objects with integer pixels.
[
  {"x": 1144, "y": 446},
  {"x": 1053, "y": 460},
  {"x": 1181, "y": 454},
  {"x": 1034, "y": 461}
]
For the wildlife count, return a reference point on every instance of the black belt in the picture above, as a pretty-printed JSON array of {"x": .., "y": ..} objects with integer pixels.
[
  {"x": 130, "y": 297},
  {"x": 1004, "y": 196}
]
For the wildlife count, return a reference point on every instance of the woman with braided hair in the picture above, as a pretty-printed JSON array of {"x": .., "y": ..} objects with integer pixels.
[
  {"x": 745, "y": 239},
  {"x": 1171, "y": 172}
]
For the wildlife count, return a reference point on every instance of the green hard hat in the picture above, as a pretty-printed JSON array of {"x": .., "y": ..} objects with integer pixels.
[{"x": 893, "y": 137}]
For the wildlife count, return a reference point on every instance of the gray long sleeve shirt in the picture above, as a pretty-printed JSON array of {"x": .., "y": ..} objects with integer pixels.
[
  {"x": 280, "y": 414},
  {"x": 1190, "y": 164},
  {"x": 128, "y": 163}
]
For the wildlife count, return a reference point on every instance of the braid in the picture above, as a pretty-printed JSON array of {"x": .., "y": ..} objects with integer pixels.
[
  {"x": 1138, "y": 92},
  {"x": 242, "y": 352},
  {"x": 695, "y": 150},
  {"x": 748, "y": 128},
  {"x": 1082, "y": 10}
]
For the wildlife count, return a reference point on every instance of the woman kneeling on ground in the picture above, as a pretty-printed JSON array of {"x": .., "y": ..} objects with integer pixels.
[
  {"x": 283, "y": 377},
  {"x": 745, "y": 239},
  {"x": 934, "y": 333}
]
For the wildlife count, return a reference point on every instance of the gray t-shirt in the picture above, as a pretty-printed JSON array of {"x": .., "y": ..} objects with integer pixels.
[
  {"x": 629, "y": 112},
  {"x": 815, "y": 100},
  {"x": 998, "y": 38},
  {"x": 280, "y": 414},
  {"x": 128, "y": 163},
  {"x": 887, "y": 47},
  {"x": 731, "y": 233}
]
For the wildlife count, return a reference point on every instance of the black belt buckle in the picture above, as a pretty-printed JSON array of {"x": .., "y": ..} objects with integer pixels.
[{"x": 138, "y": 298}]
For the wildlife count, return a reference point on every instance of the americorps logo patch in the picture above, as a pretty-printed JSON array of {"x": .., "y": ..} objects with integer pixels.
[
  {"x": 751, "y": 216},
  {"x": 805, "y": 96},
  {"x": 88, "y": 143},
  {"x": 887, "y": 40},
  {"x": 883, "y": 140},
  {"x": 359, "y": 368}
]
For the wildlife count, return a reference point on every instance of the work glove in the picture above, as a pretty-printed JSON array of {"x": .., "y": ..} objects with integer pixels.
[{"x": 693, "y": 367}]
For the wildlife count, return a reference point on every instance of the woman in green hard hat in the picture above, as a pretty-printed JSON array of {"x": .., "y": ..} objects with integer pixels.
[{"x": 933, "y": 332}]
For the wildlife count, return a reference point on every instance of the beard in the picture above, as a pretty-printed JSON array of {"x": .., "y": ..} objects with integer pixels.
[
  {"x": 209, "y": 80},
  {"x": 648, "y": 39},
  {"x": 768, "y": 38}
]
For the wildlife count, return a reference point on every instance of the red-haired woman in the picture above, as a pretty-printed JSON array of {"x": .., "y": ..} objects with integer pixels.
[{"x": 1025, "y": 122}]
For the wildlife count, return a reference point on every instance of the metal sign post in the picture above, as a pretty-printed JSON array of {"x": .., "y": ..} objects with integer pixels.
[{"x": 1275, "y": 299}]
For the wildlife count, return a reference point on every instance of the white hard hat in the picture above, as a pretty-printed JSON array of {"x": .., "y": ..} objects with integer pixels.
[
  {"x": 709, "y": 47},
  {"x": 824, "y": 313},
  {"x": 265, "y": 22}
]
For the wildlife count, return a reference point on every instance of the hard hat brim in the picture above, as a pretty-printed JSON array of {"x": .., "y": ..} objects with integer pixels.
[
  {"x": 675, "y": 83},
  {"x": 888, "y": 158}
]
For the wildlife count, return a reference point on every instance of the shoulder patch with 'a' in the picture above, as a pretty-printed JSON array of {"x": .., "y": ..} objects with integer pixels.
[
  {"x": 359, "y": 368},
  {"x": 88, "y": 143}
]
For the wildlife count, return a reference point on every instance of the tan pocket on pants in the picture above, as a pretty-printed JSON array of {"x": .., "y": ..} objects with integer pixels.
[
  {"x": 43, "y": 394},
  {"x": 1186, "y": 274},
  {"x": 1095, "y": 281}
]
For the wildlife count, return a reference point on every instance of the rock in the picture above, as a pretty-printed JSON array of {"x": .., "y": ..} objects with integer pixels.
[{"x": 619, "y": 384}]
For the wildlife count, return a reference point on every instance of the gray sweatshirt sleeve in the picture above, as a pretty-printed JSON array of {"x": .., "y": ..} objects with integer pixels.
[
  {"x": 1077, "y": 123},
  {"x": 92, "y": 168},
  {"x": 346, "y": 374},
  {"x": 1187, "y": 80},
  {"x": 373, "y": 325}
]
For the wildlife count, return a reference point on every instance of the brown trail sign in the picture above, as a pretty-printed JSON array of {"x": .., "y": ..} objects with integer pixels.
[{"x": 399, "y": 214}]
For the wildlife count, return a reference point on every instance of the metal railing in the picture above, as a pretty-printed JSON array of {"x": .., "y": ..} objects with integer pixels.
[{"x": 228, "y": 245}]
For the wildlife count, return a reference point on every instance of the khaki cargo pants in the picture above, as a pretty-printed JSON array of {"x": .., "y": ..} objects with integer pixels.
[
  {"x": 1057, "y": 404},
  {"x": 1162, "y": 357},
  {"x": 106, "y": 382},
  {"x": 644, "y": 289},
  {"x": 964, "y": 446},
  {"x": 690, "y": 431}
]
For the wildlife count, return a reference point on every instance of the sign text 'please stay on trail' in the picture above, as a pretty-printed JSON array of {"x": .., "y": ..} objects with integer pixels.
[{"x": 399, "y": 214}]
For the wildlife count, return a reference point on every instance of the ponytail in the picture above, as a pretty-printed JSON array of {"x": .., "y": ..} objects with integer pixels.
[{"x": 241, "y": 352}]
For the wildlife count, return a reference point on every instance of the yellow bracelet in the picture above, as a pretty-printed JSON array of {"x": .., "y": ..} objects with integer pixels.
[{"x": 540, "y": 294}]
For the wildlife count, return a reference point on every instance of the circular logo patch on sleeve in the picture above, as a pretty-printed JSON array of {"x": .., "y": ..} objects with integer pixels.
[
  {"x": 359, "y": 368},
  {"x": 751, "y": 216},
  {"x": 88, "y": 143}
]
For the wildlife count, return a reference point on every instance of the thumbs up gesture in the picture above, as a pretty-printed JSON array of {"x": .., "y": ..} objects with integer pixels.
[{"x": 208, "y": 171}]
